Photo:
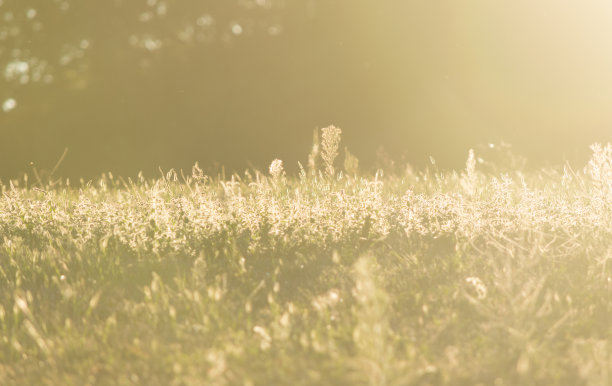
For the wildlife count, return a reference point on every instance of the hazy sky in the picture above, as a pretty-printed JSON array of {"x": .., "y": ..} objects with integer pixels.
[
  {"x": 521, "y": 70},
  {"x": 137, "y": 86}
]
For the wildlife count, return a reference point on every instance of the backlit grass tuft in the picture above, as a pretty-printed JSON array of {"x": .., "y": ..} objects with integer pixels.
[{"x": 329, "y": 277}]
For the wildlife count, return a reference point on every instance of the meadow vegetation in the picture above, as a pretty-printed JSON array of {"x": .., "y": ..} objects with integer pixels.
[{"x": 491, "y": 275}]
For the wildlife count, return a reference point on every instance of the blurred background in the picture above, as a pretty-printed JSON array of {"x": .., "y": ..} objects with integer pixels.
[{"x": 130, "y": 85}]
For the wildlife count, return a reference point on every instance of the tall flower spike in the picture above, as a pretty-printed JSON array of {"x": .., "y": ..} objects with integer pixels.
[
  {"x": 469, "y": 180},
  {"x": 331, "y": 140},
  {"x": 314, "y": 153}
]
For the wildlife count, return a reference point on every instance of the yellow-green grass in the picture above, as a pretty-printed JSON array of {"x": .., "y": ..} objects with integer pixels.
[{"x": 326, "y": 277}]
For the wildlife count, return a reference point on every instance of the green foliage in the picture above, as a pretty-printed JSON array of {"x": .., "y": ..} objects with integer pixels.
[{"x": 395, "y": 279}]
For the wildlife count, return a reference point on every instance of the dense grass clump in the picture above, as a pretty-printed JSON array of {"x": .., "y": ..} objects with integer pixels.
[{"x": 329, "y": 277}]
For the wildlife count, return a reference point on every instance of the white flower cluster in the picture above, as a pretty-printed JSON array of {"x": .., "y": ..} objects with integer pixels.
[
  {"x": 258, "y": 213},
  {"x": 478, "y": 285}
]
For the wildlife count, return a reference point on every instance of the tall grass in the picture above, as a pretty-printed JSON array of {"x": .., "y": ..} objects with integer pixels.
[{"x": 333, "y": 277}]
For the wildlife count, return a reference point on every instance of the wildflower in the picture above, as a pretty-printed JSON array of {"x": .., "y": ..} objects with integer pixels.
[
  {"x": 331, "y": 140},
  {"x": 276, "y": 169},
  {"x": 481, "y": 289}
]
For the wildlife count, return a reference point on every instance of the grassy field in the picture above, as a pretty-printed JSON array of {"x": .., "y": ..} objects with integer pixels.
[{"x": 490, "y": 275}]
